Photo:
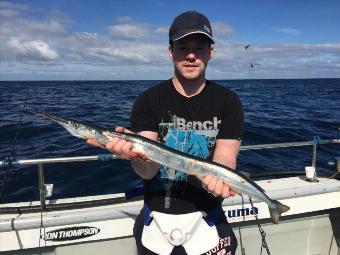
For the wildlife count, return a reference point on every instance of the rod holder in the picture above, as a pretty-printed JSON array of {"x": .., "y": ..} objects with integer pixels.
[
  {"x": 311, "y": 174},
  {"x": 337, "y": 164},
  {"x": 48, "y": 190}
]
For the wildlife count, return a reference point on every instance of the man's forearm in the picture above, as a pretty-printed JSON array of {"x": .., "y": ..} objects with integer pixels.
[
  {"x": 226, "y": 152},
  {"x": 222, "y": 159},
  {"x": 146, "y": 170}
]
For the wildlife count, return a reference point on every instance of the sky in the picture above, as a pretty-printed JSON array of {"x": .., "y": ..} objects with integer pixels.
[{"x": 128, "y": 40}]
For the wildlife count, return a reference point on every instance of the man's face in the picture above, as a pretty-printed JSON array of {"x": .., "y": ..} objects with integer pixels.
[{"x": 191, "y": 55}]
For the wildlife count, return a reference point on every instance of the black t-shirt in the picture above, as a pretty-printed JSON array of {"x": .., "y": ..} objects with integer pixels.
[{"x": 190, "y": 125}]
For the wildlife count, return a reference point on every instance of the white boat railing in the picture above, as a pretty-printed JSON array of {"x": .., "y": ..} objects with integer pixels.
[
  {"x": 314, "y": 143},
  {"x": 12, "y": 162},
  {"x": 106, "y": 157},
  {"x": 285, "y": 145},
  {"x": 25, "y": 162}
]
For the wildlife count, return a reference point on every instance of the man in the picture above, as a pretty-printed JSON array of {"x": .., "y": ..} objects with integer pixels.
[{"x": 198, "y": 117}]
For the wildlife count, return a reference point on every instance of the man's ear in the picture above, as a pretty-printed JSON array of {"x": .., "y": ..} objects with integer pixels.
[
  {"x": 170, "y": 52},
  {"x": 211, "y": 52}
]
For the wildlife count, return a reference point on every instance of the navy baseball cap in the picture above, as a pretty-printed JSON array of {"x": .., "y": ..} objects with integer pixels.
[{"x": 188, "y": 23}]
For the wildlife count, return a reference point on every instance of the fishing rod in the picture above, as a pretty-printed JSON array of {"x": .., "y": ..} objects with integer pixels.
[{"x": 10, "y": 159}]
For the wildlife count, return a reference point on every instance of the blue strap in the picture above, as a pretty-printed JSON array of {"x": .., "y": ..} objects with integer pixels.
[
  {"x": 137, "y": 190},
  {"x": 134, "y": 192},
  {"x": 146, "y": 215},
  {"x": 316, "y": 139},
  {"x": 214, "y": 215},
  {"x": 9, "y": 161},
  {"x": 105, "y": 157}
]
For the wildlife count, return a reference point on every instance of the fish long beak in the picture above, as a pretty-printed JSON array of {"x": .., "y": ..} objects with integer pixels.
[
  {"x": 75, "y": 128},
  {"x": 53, "y": 117}
]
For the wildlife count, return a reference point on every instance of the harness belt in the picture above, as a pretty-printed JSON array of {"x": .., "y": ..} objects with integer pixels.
[{"x": 196, "y": 231}]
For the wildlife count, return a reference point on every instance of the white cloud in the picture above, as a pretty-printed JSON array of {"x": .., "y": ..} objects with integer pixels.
[
  {"x": 31, "y": 50},
  {"x": 59, "y": 17},
  {"x": 125, "y": 19},
  {"x": 5, "y": 5},
  {"x": 47, "y": 30},
  {"x": 128, "y": 31},
  {"x": 8, "y": 13},
  {"x": 287, "y": 30},
  {"x": 163, "y": 31},
  {"x": 128, "y": 53},
  {"x": 276, "y": 61},
  {"x": 221, "y": 29},
  {"x": 134, "y": 50}
]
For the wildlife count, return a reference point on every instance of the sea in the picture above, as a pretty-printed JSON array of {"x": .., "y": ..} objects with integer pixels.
[{"x": 276, "y": 111}]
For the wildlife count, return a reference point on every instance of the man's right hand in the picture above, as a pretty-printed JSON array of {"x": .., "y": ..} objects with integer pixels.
[
  {"x": 123, "y": 149},
  {"x": 118, "y": 146}
]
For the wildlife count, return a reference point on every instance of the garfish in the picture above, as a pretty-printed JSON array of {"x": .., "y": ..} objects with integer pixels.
[{"x": 171, "y": 158}]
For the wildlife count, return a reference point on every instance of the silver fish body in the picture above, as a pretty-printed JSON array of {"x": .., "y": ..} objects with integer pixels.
[{"x": 174, "y": 159}]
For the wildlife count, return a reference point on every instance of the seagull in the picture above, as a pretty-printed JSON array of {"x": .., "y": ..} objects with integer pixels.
[
  {"x": 247, "y": 46},
  {"x": 253, "y": 65}
]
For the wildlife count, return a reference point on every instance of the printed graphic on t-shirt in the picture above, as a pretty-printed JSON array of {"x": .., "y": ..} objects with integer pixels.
[
  {"x": 224, "y": 247},
  {"x": 195, "y": 138}
]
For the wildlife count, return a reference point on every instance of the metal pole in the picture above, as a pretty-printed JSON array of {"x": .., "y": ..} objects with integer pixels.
[
  {"x": 22, "y": 162},
  {"x": 314, "y": 155},
  {"x": 41, "y": 185},
  {"x": 285, "y": 145}
]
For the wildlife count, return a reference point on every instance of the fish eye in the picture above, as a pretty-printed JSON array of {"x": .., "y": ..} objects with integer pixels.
[{"x": 75, "y": 125}]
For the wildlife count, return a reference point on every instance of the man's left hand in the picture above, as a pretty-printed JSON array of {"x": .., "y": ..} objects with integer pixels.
[{"x": 217, "y": 187}]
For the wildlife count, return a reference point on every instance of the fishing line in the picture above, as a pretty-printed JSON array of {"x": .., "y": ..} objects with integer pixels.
[
  {"x": 262, "y": 232},
  {"x": 11, "y": 171},
  {"x": 334, "y": 175},
  {"x": 243, "y": 252},
  {"x": 10, "y": 159},
  {"x": 41, "y": 226}
]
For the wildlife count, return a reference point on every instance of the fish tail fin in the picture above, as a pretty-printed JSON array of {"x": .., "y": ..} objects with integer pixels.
[{"x": 276, "y": 209}]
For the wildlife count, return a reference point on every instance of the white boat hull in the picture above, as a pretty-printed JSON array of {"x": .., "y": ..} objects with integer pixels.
[{"x": 310, "y": 227}]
